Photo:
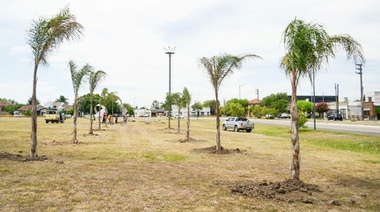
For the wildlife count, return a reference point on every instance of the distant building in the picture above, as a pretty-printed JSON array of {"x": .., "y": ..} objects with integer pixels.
[
  {"x": 253, "y": 102},
  {"x": 58, "y": 106},
  {"x": 40, "y": 109},
  {"x": 205, "y": 111},
  {"x": 373, "y": 96}
]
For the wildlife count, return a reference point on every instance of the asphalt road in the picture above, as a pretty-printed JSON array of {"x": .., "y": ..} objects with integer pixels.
[{"x": 344, "y": 126}]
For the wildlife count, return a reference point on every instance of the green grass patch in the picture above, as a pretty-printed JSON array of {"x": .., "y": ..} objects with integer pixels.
[
  {"x": 276, "y": 131},
  {"x": 4, "y": 169},
  {"x": 329, "y": 139},
  {"x": 174, "y": 157}
]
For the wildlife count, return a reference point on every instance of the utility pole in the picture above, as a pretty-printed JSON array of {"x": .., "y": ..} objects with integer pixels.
[
  {"x": 337, "y": 98},
  {"x": 361, "y": 88}
]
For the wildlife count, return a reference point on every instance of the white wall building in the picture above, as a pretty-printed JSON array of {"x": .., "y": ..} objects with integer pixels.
[{"x": 183, "y": 111}]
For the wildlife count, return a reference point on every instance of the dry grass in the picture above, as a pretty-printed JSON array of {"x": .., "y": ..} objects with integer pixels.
[{"x": 145, "y": 167}]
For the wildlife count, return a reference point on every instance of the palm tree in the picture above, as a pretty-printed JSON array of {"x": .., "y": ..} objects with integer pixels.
[
  {"x": 217, "y": 68},
  {"x": 45, "y": 35},
  {"x": 187, "y": 101},
  {"x": 113, "y": 97},
  {"x": 104, "y": 99},
  {"x": 308, "y": 48},
  {"x": 176, "y": 98},
  {"x": 77, "y": 78},
  {"x": 94, "y": 78},
  {"x": 62, "y": 99}
]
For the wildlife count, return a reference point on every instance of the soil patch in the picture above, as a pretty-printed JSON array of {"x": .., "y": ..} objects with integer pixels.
[
  {"x": 289, "y": 191},
  {"x": 18, "y": 157},
  {"x": 185, "y": 140},
  {"x": 212, "y": 150}
]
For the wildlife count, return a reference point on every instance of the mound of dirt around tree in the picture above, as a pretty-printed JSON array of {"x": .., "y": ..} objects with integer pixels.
[
  {"x": 18, "y": 157},
  {"x": 212, "y": 150},
  {"x": 288, "y": 191}
]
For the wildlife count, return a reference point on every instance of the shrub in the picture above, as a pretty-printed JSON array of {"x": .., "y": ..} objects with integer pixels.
[{"x": 302, "y": 119}]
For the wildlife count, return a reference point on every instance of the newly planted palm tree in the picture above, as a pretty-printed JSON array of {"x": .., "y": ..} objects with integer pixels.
[
  {"x": 45, "y": 35},
  {"x": 308, "y": 48},
  {"x": 176, "y": 98},
  {"x": 187, "y": 101},
  {"x": 77, "y": 78},
  {"x": 94, "y": 78},
  {"x": 113, "y": 97},
  {"x": 217, "y": 69}
]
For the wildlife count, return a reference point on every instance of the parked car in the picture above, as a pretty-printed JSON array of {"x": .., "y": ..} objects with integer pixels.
[
  {"x": 144, "y": 115},
  {"x": 285, "y": 116},
  {"x": 335, "y": 117},
  {"x": 238, "y": 123},
  {"x": 269, "y": 116},
  {"x": 179, "y": 116}
]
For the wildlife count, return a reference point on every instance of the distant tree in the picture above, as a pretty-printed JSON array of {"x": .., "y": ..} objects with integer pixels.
[
  {"x": 77, "y": 79},
  {"x": 272, "y": 112},
  {"x": 234, "y": 109},
  {"x": 62, "y": 99},
  {"x": 211, "y": 104},
  {"x": 187, "y": 101},
  {"x": 129, "y": 108},
  {"x": 308, "y": 47},
  {"x": 12, "y": 107},
  {"x": 94, "y": 78},
  {"x": 113, "y": 99},
  {"x": 84, "y": 102},
  {"x": 197, "y": 106},
  {"x": 30, "y": 101},
  {"x": 321, "y": 108},
  {"x": 377, "y": 112},
  {"x": 242, "y": 102},
  {"x": 70, "y": 111},
  {"x": 278, "y": 101},
  {"x": 217, "y": 68},
  {"x": 255, "y": 111},
  {"x": 304, "y": 106},
  {"x": 155, "y": 105},
  {"x": 45, "y": 35}
]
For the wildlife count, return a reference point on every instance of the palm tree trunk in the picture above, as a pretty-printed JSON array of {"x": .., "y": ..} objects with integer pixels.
[
  {"x": 75, "y": 120},
  {"x": 296, "y": 159},
  {"x": 33, "y": 147},
  {"x": 179, "y": 120},
  {"x": 100, "y": 119},
  {"x": 218, "y": 143},
  {"x": 188, "y": 122},
  {"x": 91, "y": 114}
]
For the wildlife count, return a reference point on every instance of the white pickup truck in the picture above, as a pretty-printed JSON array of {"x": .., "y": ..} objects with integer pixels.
[{"x": 238, "y": 123}]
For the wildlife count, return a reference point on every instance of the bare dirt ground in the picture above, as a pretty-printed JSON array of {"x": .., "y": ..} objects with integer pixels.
[{"x": 147, "y": 167}]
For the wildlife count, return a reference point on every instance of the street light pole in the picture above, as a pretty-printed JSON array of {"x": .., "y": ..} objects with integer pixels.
[
  {"x": 239, "y": 90},
  {"x": 170, "y": 51},
  {"x": 361, "y": 88}
]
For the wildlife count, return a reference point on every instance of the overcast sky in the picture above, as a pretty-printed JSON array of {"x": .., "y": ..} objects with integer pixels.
[{"x": 126, "y": 39}]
